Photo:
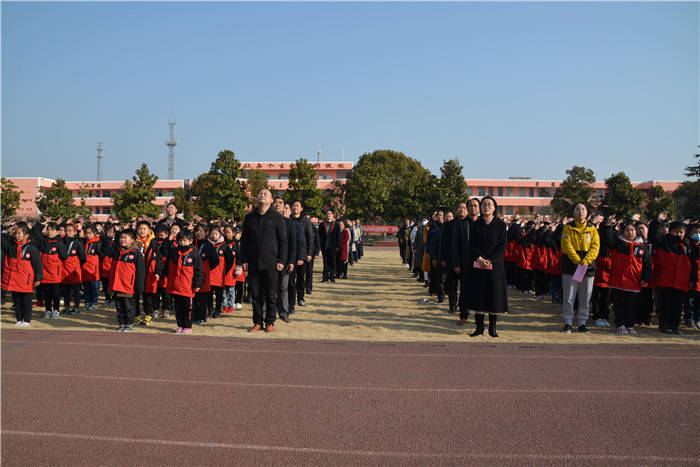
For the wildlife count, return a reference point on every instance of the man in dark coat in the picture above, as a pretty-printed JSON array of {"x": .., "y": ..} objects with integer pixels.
[
  {"x": 437, "y": 275},
  {"x": 329, "y": 236},
  {"x": 308, "y": 237},
  {"x": 460, "y": 254},
  {"x": 315, "y": 250},
  {"x": 447, "y": 255},
  {"x": 290, "y": 261},
  {"x": 300, "y": 257},
  {"x": 264, "y": 252}
]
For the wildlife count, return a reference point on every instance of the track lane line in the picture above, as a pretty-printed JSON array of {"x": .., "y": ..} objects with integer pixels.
[
  {"x": 351, "y": 452},
  {"x": 353, "y": 388}
]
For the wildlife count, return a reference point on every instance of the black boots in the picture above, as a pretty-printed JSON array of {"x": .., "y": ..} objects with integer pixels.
[
  {"x": 479, "y": 319},
  {"x": 492, "y": 325}
]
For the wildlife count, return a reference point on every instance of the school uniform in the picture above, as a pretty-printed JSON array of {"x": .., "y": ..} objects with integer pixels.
[
  {"x": 154, "y": 267},
  {"x": 230, "y": 280},
  {"x": 163, "y": 298},
  {"x": 21, "y": 270},
  {"x": 185, "y": 273},
  {"x": 671, "y": 269},
  {"x": 72, "y": 271},
  {"x": 109, "y": 249},
  {"x": 126, "y": 281},
  {"x": 210, "y": 259},
  {"x": 53, "y": 253},
  {"x": 216, "y": 278},
  {"x": 601, "y": 297},
  {"x": 692, "y": 307},
  {"x": 90, "y": 271}
]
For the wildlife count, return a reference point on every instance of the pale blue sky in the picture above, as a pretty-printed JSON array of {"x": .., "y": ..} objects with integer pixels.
[{"x": 512, "y": 89}]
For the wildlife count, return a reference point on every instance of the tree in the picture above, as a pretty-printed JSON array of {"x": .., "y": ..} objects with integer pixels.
[
  {"x": 451, "y": 187},
  {"x": 257, "y": 181},
  {"x": 303, "y": 187},
  {"x": 57, "y": 201},
  {"x": 138, "y": 196},
  {"x": 219, "y": 194},
  {"x": 687, "y": 198},
  {"x": 694, "y": 170},
  {"x": 335, "y": 198},
  {"x": 82, "y": 210},
  {"x": 659, "y": 200},
  {"x": 387, "y": 186},
  {"x": 9, "y": 197},
  {"x": 183, "y": 202},
  {"x": 575, "y": 188},
  {"x": 621, "y": 197}
]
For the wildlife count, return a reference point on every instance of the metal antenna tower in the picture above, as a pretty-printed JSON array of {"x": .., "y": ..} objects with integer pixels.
[
  {"x": 171, "y": 143},
  {"x": 99, "y": 160},
  {"x": 318, "y": 154}
]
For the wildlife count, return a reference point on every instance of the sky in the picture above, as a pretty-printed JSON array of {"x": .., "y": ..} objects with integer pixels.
[{"x": 510, "y": 89}]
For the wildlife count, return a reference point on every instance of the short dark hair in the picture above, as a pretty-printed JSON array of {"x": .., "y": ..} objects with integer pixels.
[
  {"x": 185, "y": 234},
  {"x": 140, "y": 223},
  {"x": 129, "y": 232}
]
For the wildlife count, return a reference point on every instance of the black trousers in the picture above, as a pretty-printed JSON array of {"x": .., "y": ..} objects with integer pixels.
[
  {"x": 23, "y": 306},
  {"x": 646, "y": 306},
  {"x": 525, "y": 279},
  {"x": 126, "y": 309},
  {"x": 263, "y": 289},
  {"x": 671, "y": 306},
  {"x": 343, "y": 269},
  {"x": 292, "y": 288},
  {"x": 71, "y": 291},
  {"x": 239, "y": 292},
  {"x": 437, "y": 284},
  {"x": 52, "y": 296},
  {"x": 183, "y": 311},
  {"x": 600, "y": 303},
  {"x": 105, "y": 287},
  {"x": 329, "y": 259},
  {"x": 402, "y": 251},
  {"x": 626, "y": 304},
  {"x": 309, "y": 275},
  {"x": 451, "y": 281},
  {"x": 541, "y": 283},
  {"x": 199, "y": 306},
  {"x": 214, "y": 306},
  {"x": 463, "y": 311},
  {"x": 299, "y": 283},
  {"x": 165, "y": 299},
  {"x": 511, "y": 273},
  {"x": 148, "y": 300}
]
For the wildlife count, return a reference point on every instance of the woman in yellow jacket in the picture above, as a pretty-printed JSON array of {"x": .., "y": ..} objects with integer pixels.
[{"x": 580, "y": 244}]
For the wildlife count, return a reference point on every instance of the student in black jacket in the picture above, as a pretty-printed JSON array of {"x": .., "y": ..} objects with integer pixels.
[
  {"x": 308, "y": 241},
  {"x": 329, "y": 236},
  {"x": 314, "y": 251},
  {"x": 300, "y": 258},
  {"x": 264, "y": 252}
]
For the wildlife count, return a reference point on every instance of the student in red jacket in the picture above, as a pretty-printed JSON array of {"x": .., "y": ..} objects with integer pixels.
[
  {"x": 630, "y": 269},
  {"x": 72, "y": 270},
  {"x": 53, "y": 253},
  {"x": 671, "y": 277},
  {"x": 210, "y": 259},
  {"x": 185, "y": 277},
  {"x": 151, "y": 251},
  {"x": 692, "y": 307},
  {"x": 127, "y": 278},
  {"x": 229, "y": 282},
  {"x": 600, "y": 299},
  {"x": 646, "y": 296},
  {"x": 109, "y": 249},
  {"x": 218, "y": 273},
  {"x": 22, "y": 271},
  {"x": 161, "y": 301},
  {"x": 90, "y": 272}
]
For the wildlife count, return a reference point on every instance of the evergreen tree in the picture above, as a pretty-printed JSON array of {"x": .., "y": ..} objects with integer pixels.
[
  {"x": 183, "y": 203},
  {"x": 138, "y": 196},
  {"x": 303, "y": 187},
  {"x": 257, "y": 181},
  {"x": 694, "y": 170},
  {"x": 451, "y": 187},
  {"x": 687, "y": 198},
  {"x": 219, "y": 194},
  {"x": 57, "y": 201},
  {"x": 9, "y": 197},
  {"x": 659, "y": 200},
  {"x": 575, "y": 188},
  {"x": 621, "y": 197}
]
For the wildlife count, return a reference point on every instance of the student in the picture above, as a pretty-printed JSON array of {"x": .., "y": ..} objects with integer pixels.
[
  {"x": 90, "y": 271},
  {"x": 109, "y": 250},
  {"x": 229, "y": 280},
  {"x": 646, "y": 296},
  {"x": 554, "y": 261},
  {"x": 242, "y": 278},
  {"x": 185, "y": 277},
  {"x": 144, "y": 235},
  {"x": 671, "y": 276},
  {"x": 72, "y": 269},
  {"x": 217, "y": 274},
  {"x": 53, "y": 253},
  {"x": 580, "y": 245},
  {"x": 151, "y": 250},
  {"x": 600, "y": 298},
  {"x": 161, "y": 299},
  {"x": 692, "y": 307},
  {"x": 630, "y": 269},
  {"x": 22, "y": 271},
  {"x": 127, "y": 279},
  {"x": 210, "y": 259}
]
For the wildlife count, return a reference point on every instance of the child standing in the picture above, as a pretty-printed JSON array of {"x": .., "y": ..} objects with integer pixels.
[
  {"x": 210, "y": 259},
  {"x": 692, "y": 308},
  {"x": 230, "y": 278},
  {"x": 126, "y": 280},
  {"x": 185, "y": 277},
  {"x": 671, "y": 277},
  {"x": 53, "y": 253},
  {"x": 217, "y": 274},
  {"x": 22, "y": 271},
  {"x": 90, "y": 271}
]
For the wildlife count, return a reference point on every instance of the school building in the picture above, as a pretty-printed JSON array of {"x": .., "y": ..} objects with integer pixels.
[{"x": 517, "y": 195}]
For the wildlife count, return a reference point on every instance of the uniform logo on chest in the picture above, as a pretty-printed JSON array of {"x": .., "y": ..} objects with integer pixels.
[
  {"x": 27, "y": 256},
  {"x": 72, "y": 252},
  {"x": 189, "y": 260},
  {"x": 131, "y": 256}
]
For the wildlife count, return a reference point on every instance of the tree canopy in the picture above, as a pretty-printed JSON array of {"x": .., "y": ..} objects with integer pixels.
[
  {"x": 575, "y": 188},
  {"x": 451, "y": 186},
  {"x": 257, "y": 181},
  {"x": 303, "y": 187},
  {"x": 621, "y": 197},
  {"x": 219, "y": 193},
  {"x": 57, "y": 201},
  {"x": 387, "y": 186},
  {"x": 9, "y": 197},
  {"x": 138, "y": 196},
  {"x": 694, "y": 170},
  {"x": 183, "y": 202},
  {"x": 659, "y": 200},
  {"x": 687, "y": 198}
]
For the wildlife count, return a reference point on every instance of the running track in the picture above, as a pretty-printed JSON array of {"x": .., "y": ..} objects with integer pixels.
[{"x": 92, "y": 398}]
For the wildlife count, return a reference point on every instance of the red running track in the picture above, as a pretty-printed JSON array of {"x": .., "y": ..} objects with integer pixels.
[{"x": 91, "y": 398}]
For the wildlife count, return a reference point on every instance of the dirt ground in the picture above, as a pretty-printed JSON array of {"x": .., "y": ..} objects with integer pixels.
[{"x": 380, "y": 301}]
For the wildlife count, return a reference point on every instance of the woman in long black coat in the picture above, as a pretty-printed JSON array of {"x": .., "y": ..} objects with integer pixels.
[{"x": 486, "y": 286}]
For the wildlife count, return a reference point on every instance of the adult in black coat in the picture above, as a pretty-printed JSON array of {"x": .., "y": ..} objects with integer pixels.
[
  {"x": 486, "y": 285},
  {"x": 447, "y": 253},
  {"x": 171, "y": 216},
  {"x": 264, "y": 252},
  {"x": 329, "y": 236},
  {"x": 315, "y": 250},
  {"x": 308, "y": 240},
  {"x": 284, "y": 276}
]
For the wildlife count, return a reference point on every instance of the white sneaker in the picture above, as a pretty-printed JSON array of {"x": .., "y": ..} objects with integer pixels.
[
  {"x": 631, "y": 331},
  {"x": 24, "y": 324},
  {"x": 47, "y": 315},
  {"x": 19, "y": 324},
  {"x": 238, "y": 306},
  {"x": 56, "y": 314},
  {"x": 622, "y": 331}
]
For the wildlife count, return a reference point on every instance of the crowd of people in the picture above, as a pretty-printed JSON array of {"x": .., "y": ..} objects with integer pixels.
[
  {"x": 589, "y": 264},
  {"x": 149, "y": 269}
]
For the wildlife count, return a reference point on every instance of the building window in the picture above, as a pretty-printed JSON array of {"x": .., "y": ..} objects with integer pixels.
[
  {"x": 532, "y": 192},
  {"x": 522, "y": 192},
  {"x": 545, "y": 193},
  {"x": 599, "y": 193},
  {"x": 482, "y": 191},
  {"x": 469, "y": 191},
  {"x": 500, "y": 191},
  {"x": 106, "y": 210},
  {"x": 106, "y": 194},
  {"x": 509, "y": 210},
  {"x": 500, "y": 210},
  {"x": 490, "y": 191},
  {"x": 96, "y": 210},
  {"x": 284, "y": 176},
  {"x": 323, "y": 177},
  {"x": 509, "y": 192}
]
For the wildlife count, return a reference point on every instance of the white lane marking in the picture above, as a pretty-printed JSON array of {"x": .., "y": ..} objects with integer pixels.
[
  {"x": 447, "y": 354},
  {"x": 351, "y": 452},
  {"x": 353, "y": 388}
]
